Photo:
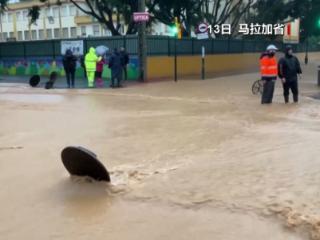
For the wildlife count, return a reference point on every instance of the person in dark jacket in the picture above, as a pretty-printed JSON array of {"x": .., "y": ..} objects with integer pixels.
[
  {"x": 116, "y": 64},
  {"x": 69, "y": 64},
  {"x": 83, "y": 67},
  {"x": 289, "y": 68},
  {"x": 125, "y": 57}
]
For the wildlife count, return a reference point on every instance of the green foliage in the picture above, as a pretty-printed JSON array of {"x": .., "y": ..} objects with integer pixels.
[
  {"x": 309, "y": 13},
  {"x": 3, "y": 5}
]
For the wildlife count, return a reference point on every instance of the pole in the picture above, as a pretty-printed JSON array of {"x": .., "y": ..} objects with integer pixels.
[
  {"x": 203, "y": 70},
  {"x": 1, "y": 37},
  {"x": 44, "y": 17},
  {"x": 142, "y": 44},
  {"x": 175, "y": 61},
  {"x": 60, "y": 21},
  {"x": 306, "y": 59}
]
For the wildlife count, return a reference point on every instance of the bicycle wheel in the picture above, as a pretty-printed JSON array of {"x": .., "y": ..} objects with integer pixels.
[{"x": 257, "y": 87}]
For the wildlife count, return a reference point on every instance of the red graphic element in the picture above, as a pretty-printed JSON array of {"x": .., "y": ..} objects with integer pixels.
[{"x": 289, "y": 29}]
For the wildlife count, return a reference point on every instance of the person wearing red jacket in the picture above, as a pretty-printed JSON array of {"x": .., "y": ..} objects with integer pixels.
[
  {"x": 99, "y": 71},
  {"x": 269, "y": 73}
]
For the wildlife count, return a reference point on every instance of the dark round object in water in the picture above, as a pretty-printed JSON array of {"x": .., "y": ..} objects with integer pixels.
[
  {"x": 48, "y": 85},
  {"x": 52, "y": 79},
  {"x": 82, "y": 162},
  {"x": 34, "y": 80}
]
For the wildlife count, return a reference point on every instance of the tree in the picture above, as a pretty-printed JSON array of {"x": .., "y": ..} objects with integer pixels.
[
  {"x": 309, "y": 13},
  {"x": 188, "y": 12},
  {"x": 3, "y": 5},
  {"x": 225, "y": 11},
  {"x": 103, "y": 11}
]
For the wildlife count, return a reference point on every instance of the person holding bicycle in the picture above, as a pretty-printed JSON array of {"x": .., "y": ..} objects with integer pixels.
[{"x": 269, "y": 73}]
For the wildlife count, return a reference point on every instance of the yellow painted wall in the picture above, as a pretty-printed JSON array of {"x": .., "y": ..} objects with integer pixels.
[
  {"x": 219, "y": 64},
  {"x": 163, "y": 67}
]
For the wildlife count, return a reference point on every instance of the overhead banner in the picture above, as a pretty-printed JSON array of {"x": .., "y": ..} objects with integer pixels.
[
  {"x": 292, "y": 32},
  {"x": 76, "y": 46}
]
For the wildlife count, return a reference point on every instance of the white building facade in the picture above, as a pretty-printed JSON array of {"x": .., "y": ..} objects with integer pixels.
[{"x": 64, "y": 21}]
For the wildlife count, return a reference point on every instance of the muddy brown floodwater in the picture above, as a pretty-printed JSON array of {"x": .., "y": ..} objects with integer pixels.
[{"x": 188, "y": 160}]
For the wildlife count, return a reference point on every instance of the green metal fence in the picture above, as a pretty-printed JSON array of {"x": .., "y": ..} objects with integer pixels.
[{"x": 156, "y": 45}]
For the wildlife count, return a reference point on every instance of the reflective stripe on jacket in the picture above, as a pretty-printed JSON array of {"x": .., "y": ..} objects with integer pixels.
[{"x": 268, "y": 67}]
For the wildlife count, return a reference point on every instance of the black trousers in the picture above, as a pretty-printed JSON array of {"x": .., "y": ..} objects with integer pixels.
[
  {"x": 116, "y": 79},
  {"x": 125, "y": 73},
  {"x": 268, "y": 90},
  {"x": 70, "y": 74},
  {"x": 293, "y": 86}
]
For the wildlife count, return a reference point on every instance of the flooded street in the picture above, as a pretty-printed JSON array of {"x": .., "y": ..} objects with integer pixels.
[{"x": 188, "y": 160}]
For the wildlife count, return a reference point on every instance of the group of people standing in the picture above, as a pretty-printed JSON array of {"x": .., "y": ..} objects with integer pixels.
[
  {"x": 287, "y": 69},
  {"x": 93, "y": 67}
]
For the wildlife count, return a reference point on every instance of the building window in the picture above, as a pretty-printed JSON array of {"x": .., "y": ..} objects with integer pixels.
[
  {"x": 49, "y": 33},
  {"x": 26, "y": 35},
  {"x": 4, "y": 18},
  {"x": 72, "y": 10},
  {"x": 41, "y": 34},
  {"x": 56, "y": 33},
  {"x": 48, "y": 12},
  {"x": 65, "y": 32},
  {"x": 19, "y": 16},
  {"x": 5, "y": 36},
  {"x": 20, "y": 37},
  {"x": 96, "y": 30},
  {"x": 73, "y": 32},
  {"x": 64, "y": 11},
  {"x": 41, "y": 13},
  {"x": 34, "y": 34},
  {"x": 11, "y": 35},
  {"x": 25, "y": 15},
  {"x": 10, "y": 18},
  {"x": 55, "y": 12},
  {"x": 83, "y": 31},
  {"x": 83, "y": 6}
]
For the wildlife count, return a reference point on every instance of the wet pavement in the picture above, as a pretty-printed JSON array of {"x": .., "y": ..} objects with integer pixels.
[{"x": 188, "y": 160}]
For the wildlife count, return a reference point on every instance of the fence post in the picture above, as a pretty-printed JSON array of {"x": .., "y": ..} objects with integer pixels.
[
  {"x": 85, "y": 44},
  {"x": 54, "y": 49},
  {"x": 169, "y": 47},
  {"x": 212, "y": 45},
  {"x": 24, "y": 50},
  {"x": 192, "y": 45},
  {"x": 124, "y": 42},
  {"x": 242, "y": 45}
]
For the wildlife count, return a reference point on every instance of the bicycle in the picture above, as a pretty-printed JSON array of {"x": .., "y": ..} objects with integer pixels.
[{"x": 257, "y": 87}]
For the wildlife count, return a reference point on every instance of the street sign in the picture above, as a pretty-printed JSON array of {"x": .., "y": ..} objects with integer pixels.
[
  {"x": 141, "y": 17},
  {"x": 201, "y": 36},
  {"x": 292, "y": 32},
  {"x": 203, "y": 30},
  {"x": 76, "y": 46},
  {"x": 203, "y": 27}
]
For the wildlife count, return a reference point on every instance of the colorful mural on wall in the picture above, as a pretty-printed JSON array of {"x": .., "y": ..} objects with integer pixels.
[{"x": 45, "y": 65}]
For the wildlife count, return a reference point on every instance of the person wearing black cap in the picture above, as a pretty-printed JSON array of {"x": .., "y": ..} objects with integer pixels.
[{"x": 289, "y": 68}]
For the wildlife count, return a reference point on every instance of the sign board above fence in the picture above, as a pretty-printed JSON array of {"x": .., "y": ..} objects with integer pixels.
[
  {"x": 292, "y": 32},
  {"x": 201, "y": 36},
  {"x": 76, "y": 46},
  {"x": 203, "y": 31},
  {"x": 141, "y": 17}
]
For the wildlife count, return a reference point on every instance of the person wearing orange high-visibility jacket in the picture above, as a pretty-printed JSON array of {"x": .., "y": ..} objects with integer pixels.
[{"x": 269, "y": 73}]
